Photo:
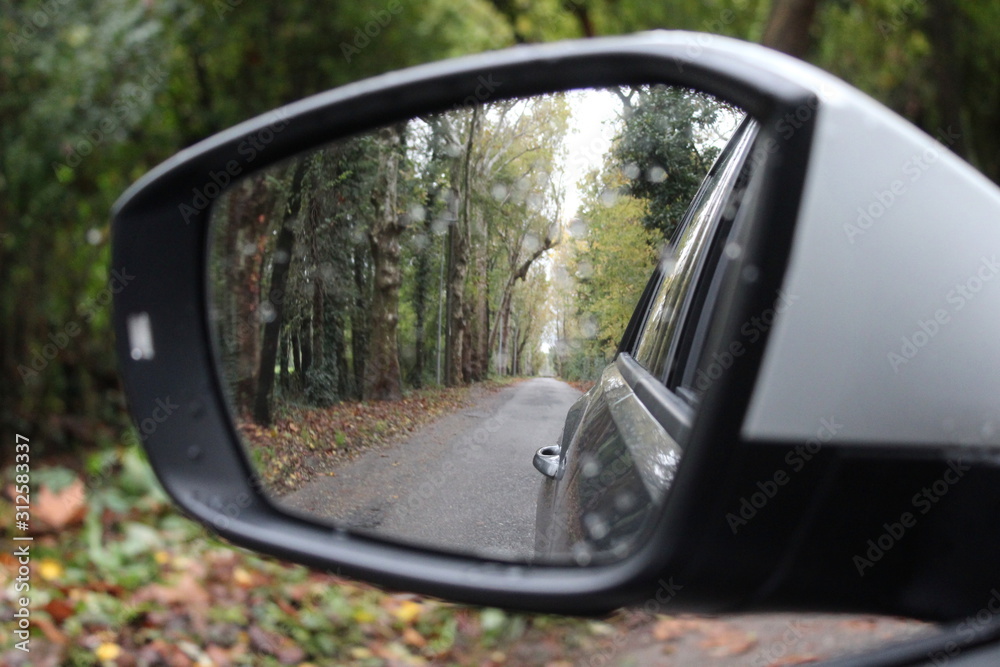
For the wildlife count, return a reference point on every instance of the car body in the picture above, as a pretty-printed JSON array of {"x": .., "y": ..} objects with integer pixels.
[{"x": 623, "y": 440}]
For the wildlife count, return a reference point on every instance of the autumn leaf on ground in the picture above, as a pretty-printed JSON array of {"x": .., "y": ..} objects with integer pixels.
[
  {"x": 185, "y": 591},
  {"x": 56, "y": 510},
  {"x": 669, "y": 628},
  {"x": 723, "y": 641}
]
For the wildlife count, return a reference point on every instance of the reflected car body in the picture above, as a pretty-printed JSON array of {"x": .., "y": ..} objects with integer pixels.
[{"x": 623, "y": 440}]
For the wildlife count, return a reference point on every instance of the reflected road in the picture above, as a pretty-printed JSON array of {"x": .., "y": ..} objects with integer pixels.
[{"x": 464, "y": 482}]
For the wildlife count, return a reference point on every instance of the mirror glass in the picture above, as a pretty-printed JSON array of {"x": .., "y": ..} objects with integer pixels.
[{"x": 405, "y": 317}]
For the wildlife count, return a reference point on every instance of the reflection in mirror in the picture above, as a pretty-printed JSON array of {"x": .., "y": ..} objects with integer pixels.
[{"x": 404, "y": 317}]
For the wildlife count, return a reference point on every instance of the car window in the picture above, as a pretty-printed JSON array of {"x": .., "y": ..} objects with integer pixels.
[{"x": 685, "y": 261}]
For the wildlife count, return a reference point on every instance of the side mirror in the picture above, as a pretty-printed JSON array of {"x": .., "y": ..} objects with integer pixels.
[{"x": 754, "y": 441}]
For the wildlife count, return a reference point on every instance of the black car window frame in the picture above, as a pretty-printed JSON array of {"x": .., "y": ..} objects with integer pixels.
[
  {"x": 691, "y": 338},
  {"x": 663, "y": 354}
]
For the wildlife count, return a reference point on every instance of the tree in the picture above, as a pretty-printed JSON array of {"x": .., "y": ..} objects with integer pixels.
[
  {"x": 663, "y": 150},
  {"x": 382, "y": 375},
  {"x": 788, "y": 26},
  {"x": 272, "y": 311}
]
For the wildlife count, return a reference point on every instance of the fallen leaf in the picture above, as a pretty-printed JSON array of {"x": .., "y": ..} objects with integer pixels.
[
  {"x": 50, "y": 569},
  {"x": 107, "y": 652},
  {"x": 187, "y": 591},
  {"x": 414, "y": 638},
  {"x": 408, "y": 611},
  {"x": 725, "y": 641},
  {"x": 58, "y": 509},
  {"x": 669, "y": 628},
  {"x": 59, "y": 610}
]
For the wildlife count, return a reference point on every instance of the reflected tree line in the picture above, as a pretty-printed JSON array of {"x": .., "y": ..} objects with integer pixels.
[{"x": 436, "y": 251}]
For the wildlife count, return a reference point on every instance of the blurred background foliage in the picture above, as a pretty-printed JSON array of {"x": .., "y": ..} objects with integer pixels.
[{"x": 92, "y": 95}]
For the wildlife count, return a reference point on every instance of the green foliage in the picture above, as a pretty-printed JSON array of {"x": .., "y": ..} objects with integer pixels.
[
  {"x": 614, "y": 260},
  {"x": 662, "y": 152}
]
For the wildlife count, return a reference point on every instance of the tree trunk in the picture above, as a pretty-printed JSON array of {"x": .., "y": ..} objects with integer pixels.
[
  {"x": 269, "y": 346},
  {"x": 382, "y": 376},
  {"x": 940, "y": 26},
  {"x": 305, "y": 342},
  {"x": 458, "y": 261},
  {"x": 283, "y": 361},
  {"x": 318, "y": 320},
  {"x": 423, "y": 277},
  {"x": 480, "y": 326},
  {"x": 276, "y": 296},
  {"x": 788, "y": 26},
  {"x": 359, "y": 322}
]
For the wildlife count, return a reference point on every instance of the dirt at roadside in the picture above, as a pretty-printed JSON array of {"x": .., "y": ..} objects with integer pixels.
[{"x": 750, "y": 640}]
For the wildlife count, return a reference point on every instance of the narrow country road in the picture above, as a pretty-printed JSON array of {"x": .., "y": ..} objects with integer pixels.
[{"x": 464, "y": 482}]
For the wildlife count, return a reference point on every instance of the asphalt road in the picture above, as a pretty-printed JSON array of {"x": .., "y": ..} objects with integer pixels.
[{"x": 463, "y": 483}]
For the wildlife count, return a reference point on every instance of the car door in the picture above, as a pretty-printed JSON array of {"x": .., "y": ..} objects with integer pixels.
[{"x": 623, "y": 440}]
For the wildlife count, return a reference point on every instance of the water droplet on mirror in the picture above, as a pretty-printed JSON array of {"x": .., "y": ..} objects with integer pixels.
[
  {"x": 281, "y": 257},
  {"x": 267, "y": 312},
  {"x": 439, "y": 226},
  {"x": 531, "y": 243},
  {"x": 93, "y": 236},
  {"x": 577, "y": 228},
  {"x": 667, "y": 264},
  {"x": 584, "y": 270},
  {"x": 499, "y": 191},
  {"x": 631, "y": 171},
  {"x": 733, "y": 250},
  {"x": 417, "y": 213},
  {"x": 751, "y": 273},
  {"x": 588, "y": 326},
  {"x": 249, "y": 249},
  {"x": 656, "y": 175},
  {"x": 609, "y": 196},
  {"x": 624, "y": 501},
  {"x": 590, "y": 467},
  {"x": 596, "y": 526},
  {"x": 420, "y": 241}
]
